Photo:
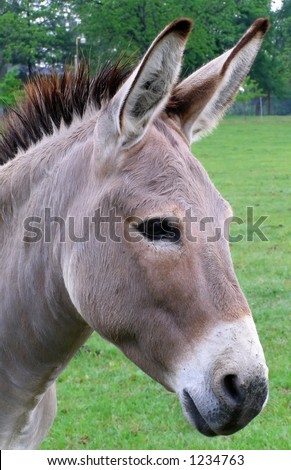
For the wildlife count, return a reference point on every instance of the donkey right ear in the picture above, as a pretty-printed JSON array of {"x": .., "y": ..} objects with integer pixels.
[
  {"x": 146, "y": 92},
  {"x": 200, "y": 100}
]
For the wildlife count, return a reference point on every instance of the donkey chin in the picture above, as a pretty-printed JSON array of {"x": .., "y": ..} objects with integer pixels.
[{"x": 222, "y": 389}]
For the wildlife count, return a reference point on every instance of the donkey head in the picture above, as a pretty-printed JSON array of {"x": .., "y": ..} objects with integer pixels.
[{"x": 159, "y": 287}]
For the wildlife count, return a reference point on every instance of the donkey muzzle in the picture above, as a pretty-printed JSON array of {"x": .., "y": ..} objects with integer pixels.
[
  {"x": 223, "y": 382},
  {"x": 228, "y": 407}
]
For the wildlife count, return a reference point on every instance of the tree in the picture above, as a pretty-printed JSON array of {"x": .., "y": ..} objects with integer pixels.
[
  {"x": 112, "y": 27},
  {"x": 282, "y": 25},
  {"x": 36, "y": 31},
  {"x": 247, "y": 93},
  {"x": 270, "y": 70},
  {"x": 45, "y": 32},
  {"x": 10, "y": 89}
]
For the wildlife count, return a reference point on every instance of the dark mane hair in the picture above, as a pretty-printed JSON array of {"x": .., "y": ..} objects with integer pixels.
[{"x": 52, "y": 99}]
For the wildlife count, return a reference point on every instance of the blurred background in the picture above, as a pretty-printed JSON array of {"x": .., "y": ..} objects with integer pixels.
[{"x": 38, "y": 36}]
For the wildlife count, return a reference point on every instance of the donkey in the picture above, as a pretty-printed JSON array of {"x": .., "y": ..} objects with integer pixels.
[{"x": 169, "y": 299}]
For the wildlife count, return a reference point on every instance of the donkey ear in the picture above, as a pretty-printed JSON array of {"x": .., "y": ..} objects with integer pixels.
[
  {"x": 147, "y": 90},
  {"x": 202, "y": 98}
]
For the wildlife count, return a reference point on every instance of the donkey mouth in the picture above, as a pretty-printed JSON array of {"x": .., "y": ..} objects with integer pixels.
[{"x": 194, "y": 416}]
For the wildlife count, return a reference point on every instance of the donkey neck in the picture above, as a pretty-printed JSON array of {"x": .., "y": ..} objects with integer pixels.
[{"x": 37, "y": 338}]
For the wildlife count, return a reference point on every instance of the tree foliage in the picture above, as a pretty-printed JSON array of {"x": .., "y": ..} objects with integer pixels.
[
  {"x": 10, "y": 89},
  {"x": 249, "y": 90},
  {"x": 34, "y": 32}
]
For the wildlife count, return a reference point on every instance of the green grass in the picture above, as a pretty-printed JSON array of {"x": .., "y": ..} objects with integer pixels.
[{"x": 105, "y": 402}]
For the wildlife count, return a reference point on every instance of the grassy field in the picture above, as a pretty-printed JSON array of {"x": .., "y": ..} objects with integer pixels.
[{"x": 105, "y": 402}]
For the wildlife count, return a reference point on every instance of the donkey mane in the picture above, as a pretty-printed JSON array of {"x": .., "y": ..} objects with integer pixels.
[{"x": 53, "y": 99}]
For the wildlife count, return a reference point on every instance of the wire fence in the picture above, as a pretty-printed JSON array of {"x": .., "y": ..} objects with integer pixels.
[
  {"x": 261, "y": 107},
  {"x": 254, "y": 107}
]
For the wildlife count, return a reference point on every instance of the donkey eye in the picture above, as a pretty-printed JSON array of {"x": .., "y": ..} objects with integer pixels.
[{"x": 160, "y": 229}]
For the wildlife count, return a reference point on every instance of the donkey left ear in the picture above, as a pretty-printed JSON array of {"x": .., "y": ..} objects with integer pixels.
[
  {"x": 147, "y": 90},
  {"x": 201, "y": 99}
]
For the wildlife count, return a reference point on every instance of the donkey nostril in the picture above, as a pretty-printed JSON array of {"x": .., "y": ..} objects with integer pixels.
[{"x": 232, "y": 388}]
